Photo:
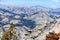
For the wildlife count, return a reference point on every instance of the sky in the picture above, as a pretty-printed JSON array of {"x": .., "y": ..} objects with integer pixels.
[{"x": 45, "y": 3}]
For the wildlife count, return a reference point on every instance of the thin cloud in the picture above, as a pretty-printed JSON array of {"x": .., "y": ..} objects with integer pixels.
[
  {"x": 54, "y": 6},
  {"x": 56, "y": 0}
]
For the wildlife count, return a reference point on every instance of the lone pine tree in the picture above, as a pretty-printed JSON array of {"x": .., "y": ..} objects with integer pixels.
[{"x": 9, "y": 34}]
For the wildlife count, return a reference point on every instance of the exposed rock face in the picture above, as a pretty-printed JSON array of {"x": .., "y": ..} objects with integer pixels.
[
  {"x": 38, "y": 33},
  {"x": 30, "y": 23},
  {"x": 53, "y": 36}
]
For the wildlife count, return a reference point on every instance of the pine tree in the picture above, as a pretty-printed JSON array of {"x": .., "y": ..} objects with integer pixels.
[{"x": 9, "y": 34}]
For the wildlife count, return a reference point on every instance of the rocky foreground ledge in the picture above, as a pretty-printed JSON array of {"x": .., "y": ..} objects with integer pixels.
[{"x": 40, "y": 32}]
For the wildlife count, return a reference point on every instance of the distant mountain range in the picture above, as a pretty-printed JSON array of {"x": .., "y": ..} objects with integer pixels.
[
  {"x": 31, "y": 23},
  {"x": 24, "y": 16}
]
